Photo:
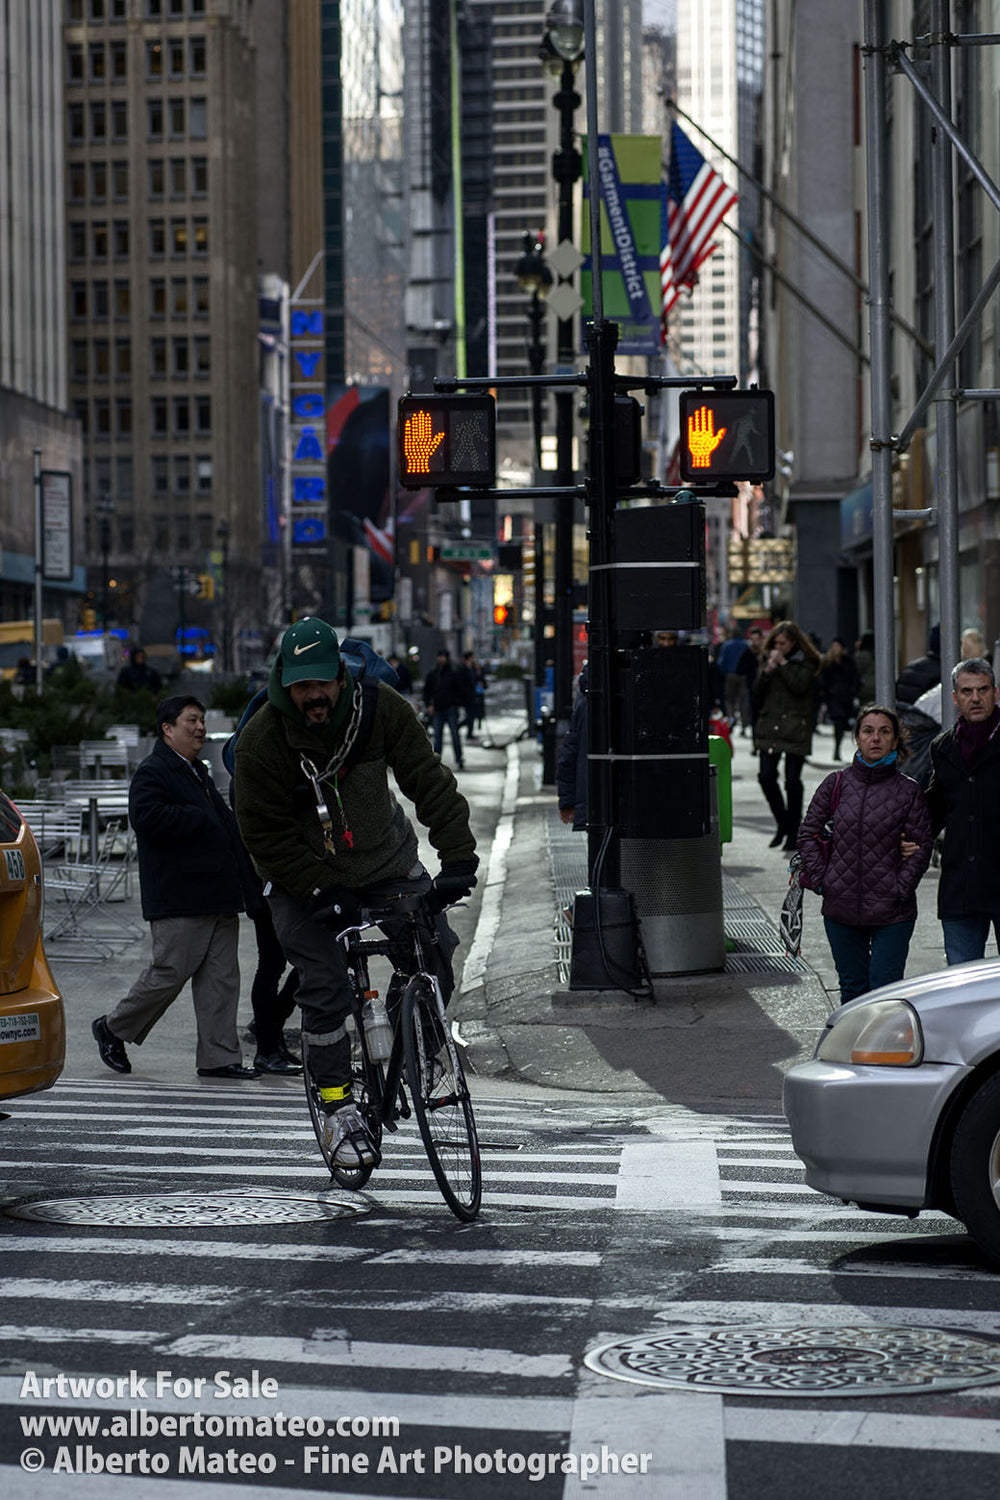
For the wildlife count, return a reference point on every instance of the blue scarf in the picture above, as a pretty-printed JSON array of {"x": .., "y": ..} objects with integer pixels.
[{"x": 887, "y": 760}]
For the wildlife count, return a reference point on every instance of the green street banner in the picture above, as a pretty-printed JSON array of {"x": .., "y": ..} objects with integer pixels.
[{"x": 630, "y": 173}]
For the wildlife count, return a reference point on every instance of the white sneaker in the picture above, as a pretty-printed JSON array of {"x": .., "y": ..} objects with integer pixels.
[{"x": 347, "y": 1140}]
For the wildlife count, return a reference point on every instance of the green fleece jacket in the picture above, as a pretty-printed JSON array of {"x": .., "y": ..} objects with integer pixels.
[{"x": 276, "y": 806}]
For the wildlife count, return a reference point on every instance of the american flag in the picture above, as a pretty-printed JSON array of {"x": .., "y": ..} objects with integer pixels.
[{"x": 695, "y": 201}]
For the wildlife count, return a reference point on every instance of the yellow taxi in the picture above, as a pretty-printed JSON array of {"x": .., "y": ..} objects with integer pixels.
[{"x": 32, "y": 1023}]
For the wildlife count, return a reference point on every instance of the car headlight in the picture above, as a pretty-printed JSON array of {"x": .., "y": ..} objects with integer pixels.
[{"x": 886, "y": 1032}]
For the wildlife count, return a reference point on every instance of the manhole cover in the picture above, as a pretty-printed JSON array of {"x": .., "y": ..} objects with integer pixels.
[
  {"x": 167, "y": 1210},
  {"x": 748, "y": 1361}
]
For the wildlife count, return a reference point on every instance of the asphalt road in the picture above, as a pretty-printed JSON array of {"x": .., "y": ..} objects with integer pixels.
[{"x": 420, "y": 1357}]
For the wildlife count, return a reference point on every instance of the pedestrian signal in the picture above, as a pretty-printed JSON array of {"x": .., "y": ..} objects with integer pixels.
[
  {"x": 446, "y": 440},
  {"x": 726, "y": 435},
  {"x": 499, "y": 614}
]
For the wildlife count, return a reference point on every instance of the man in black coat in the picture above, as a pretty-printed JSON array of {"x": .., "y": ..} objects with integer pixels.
[
  {"x": 192, "y": 876},
  {"x": 923, "y": 672},
  {"x": 139, "y": 676},
  {"x": 964, "y": 799},
  {"x": 445, "y": 692}
]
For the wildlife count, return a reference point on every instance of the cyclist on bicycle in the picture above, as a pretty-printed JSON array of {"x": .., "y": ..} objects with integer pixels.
[{"x": 323, "y": 827}]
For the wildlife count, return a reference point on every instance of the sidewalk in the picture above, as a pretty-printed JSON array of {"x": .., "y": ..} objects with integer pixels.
[{"x": 705, "y": 1039}]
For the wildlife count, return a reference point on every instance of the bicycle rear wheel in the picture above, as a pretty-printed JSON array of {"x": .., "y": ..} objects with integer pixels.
[
  {"x": 367, "y": 1080},
  {"x": 441, "y": 1100}
]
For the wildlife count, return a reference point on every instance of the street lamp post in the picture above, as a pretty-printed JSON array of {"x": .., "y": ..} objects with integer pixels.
[
  {"x": 534, "y": 276},
  {"x": 562, "y": 49},
  {"x": 222, "y": 533}
]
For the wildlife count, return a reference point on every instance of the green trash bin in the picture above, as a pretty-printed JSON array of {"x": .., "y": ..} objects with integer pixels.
[{"x": 721, "y": 757}]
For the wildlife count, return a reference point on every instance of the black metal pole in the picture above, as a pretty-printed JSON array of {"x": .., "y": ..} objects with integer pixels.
[
  {"x": 603, "y": 850},
  {"x": 536, "y": 363},
  {"x": 566, "y": 169}
]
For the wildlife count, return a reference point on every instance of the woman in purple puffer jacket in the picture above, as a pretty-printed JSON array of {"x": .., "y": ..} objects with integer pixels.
[{"x": 879, "y": 846}]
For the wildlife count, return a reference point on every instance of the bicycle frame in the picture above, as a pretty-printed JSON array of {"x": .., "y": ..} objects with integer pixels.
[{"x": 423, "y": 1050}]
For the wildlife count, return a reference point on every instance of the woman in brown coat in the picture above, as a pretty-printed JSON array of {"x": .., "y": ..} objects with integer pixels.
[{"x": 783, "y": 724}]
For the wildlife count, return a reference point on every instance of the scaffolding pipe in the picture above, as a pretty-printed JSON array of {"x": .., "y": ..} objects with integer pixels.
[
  {"x": 944, "y": 121},
  {"x": 966, "y": 326},
  {"x": 884, "y": 620},
  {"x": 945, "y": 410}
]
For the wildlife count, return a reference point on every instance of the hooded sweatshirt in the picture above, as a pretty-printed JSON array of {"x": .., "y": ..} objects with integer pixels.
[{"x": 373, "y": 839}]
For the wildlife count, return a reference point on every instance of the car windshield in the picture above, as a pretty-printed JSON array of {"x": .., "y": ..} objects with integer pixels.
[{"x": 10, "y": 820}]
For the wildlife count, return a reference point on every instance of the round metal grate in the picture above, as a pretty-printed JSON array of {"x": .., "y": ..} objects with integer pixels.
[
  {"x": 184, "y": 1210},
  {"x": 814, "y": 1362}
]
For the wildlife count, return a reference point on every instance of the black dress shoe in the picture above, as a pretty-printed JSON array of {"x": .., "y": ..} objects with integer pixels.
[
  {"x": 276, "y": 1062},
  {"x": 779, "y": 838},
  {"x": 231, "y": 1070},
  {"x": 111, "y": 1048}
]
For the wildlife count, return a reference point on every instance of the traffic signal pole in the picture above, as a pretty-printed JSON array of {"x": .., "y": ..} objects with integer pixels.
[{"x": 602, "y": 835}]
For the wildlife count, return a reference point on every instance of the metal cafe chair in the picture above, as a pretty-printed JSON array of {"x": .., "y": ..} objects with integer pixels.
[{"x": 79, "y": 897}]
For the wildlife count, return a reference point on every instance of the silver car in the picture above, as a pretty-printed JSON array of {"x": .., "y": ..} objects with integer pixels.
[{"x": 899, "y": 1109}]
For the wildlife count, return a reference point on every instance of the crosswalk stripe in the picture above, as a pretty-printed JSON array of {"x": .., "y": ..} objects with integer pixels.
[
  {"x": 773, "y": 1266},
  {"x": 794, "y": 1314},
  {"x": 864, "y": 1429},
  {"x": 538, "y": 1260},
  {"x": 517, "y": 1413},
  {"x": 254, "y": 1351}
]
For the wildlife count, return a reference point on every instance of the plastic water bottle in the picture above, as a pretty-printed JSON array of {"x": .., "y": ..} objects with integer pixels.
[{"x": 378, "y": 1032}]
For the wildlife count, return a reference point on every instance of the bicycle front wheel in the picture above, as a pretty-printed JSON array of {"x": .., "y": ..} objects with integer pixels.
[
  {"x": 441, "y": 1100},
  {"x": 366, "y": 1087}
]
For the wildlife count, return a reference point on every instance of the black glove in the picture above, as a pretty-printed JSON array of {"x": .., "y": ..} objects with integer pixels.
[
  {"x": 453, "y": 883},
  {"x": 336, "y": 908}
]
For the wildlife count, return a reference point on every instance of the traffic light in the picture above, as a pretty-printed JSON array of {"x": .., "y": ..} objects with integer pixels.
[
  {"x": 500, "y": 612},
  {"x": 206, "y": 586},
  {"x": 726, "y": 435},
  {"x": 446, "y": 440}
]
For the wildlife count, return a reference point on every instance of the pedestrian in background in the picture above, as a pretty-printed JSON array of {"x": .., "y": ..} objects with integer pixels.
[
  {"x": 444, "y": 694},
  {"x": 973, "y": 644},
  {"x": 399, "y": 666},
  {"x": 964, "y": 798},
  {"x": 783, "y": 698},
  {"x": 839, "y": 682},
  {"x": 732, "y": 653},
  {"x": 864, "y": 845},
  {"x": 476, "y": 700},
  {"x": 138, "y": 676},
  {"x": 193, "y": 881},
  {"x": 923, "y": 672},
  {"x": 864, "y": 661},
  {"x": 748, "y": 666},
  {"x": 571, "y": 767}
]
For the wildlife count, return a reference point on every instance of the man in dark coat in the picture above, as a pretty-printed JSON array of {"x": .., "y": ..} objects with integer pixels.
[
  {"x": 445, "y": 692},
  {"x": 571, "y": 769},
  {"x": 139, "y": 676},
  {"x": 192, "y": 874},
  {"x": 923, "y": 672},
  {"x": 964, "y": 799}
]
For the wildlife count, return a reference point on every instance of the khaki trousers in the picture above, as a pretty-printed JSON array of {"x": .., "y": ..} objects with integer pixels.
[{"x": 204, "y": 950}]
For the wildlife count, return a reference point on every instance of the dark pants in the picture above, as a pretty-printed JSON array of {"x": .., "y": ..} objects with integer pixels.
[
  {"x": 965, "y": 937},
  {"x": 325, "y": 991},
  {"x": 272, "y": 1001},
  {"x": 868, "y": 957},
  {"x": 449, "y": 716},
  {"x": 787, "y": 812}
]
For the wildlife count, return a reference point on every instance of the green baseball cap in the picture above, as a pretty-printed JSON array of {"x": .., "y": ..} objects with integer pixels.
[{"x": 309, "y": 652}]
